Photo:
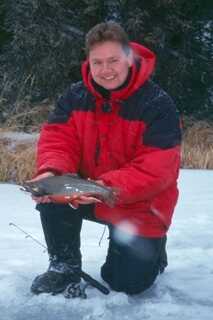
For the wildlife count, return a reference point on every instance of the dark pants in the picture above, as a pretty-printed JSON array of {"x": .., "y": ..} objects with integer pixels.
[{"x": 132, "y": 263}]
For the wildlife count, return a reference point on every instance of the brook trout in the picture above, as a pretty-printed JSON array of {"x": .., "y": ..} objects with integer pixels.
[{"x": 62, "y": 189}]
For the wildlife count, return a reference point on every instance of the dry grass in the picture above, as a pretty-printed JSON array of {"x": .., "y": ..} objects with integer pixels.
[
  {"x": 5, "y": 160},
  {"x": 17, "y": 159},
  {"x": 17, "y": 162},
  {"x": 24, "y": 163},
  {"x": 197, "y": 147}
]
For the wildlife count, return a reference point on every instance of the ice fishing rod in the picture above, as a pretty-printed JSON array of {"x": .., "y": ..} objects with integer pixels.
[{"x": 85, "y": 276}]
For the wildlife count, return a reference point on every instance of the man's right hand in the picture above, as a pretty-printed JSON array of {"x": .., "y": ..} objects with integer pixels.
[{"x": 44, "y": 199}]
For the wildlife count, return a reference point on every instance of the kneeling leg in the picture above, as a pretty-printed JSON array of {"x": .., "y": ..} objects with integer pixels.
[{"x": 132, "y": 265}]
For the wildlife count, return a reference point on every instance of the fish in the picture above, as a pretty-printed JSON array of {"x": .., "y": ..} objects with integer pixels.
[{"x": 63, "y": 189}]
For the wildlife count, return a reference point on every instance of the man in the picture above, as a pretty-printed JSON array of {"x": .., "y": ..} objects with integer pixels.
[{"x": 119, "y": 128}]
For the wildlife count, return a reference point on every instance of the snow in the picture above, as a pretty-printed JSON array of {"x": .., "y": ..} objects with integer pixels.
[
  {"x": 14, "y": 138},
  {"x": 184, "y": 291},
  {"x": 19, "y": 136}
]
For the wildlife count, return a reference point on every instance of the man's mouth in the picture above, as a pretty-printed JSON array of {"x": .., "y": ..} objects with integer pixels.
[{"x": 109, "y": 78}]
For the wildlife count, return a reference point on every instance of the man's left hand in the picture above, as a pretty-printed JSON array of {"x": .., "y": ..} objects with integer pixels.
[{"x": 80, "y": 199}]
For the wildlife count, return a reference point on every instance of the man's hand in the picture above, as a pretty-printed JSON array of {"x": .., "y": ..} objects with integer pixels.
[
  {"x": 44, "y": 199},
  {"x": 85, "y": 200}
]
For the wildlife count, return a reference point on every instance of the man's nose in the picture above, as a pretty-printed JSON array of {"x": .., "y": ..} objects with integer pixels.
[{"x": 106, "y": 67}]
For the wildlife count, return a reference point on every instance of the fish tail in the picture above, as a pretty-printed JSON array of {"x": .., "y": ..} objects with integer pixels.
[{"x": 112, "y": 197}]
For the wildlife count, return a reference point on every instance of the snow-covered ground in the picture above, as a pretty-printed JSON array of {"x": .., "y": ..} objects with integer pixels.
[{"x": 184, "y": 291}]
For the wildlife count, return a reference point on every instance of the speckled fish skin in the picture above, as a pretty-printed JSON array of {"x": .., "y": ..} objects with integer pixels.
[{"x": 69, "y": 185}]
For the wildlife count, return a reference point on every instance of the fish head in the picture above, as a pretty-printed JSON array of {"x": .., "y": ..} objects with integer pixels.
[{"x": 34, "y": 188}]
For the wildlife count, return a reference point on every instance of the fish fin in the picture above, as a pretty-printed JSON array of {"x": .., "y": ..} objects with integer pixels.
[{"x": 60, "y": 198}]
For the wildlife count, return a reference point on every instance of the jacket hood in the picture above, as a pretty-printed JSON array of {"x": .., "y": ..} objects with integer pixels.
[{"x": 142, "y": 69}]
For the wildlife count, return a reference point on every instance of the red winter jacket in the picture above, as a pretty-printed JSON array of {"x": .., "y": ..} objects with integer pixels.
[{"x": 131, "y": 141}]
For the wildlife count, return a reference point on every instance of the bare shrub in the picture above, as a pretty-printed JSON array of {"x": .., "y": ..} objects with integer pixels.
[
  {"x": 43, "y": 54},
  {"x": 28, "y": 118}
]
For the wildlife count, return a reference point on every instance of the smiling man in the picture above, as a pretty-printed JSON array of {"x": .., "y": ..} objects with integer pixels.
[
  {"x": 109, "y": 64},
  {"x": 122, "y": 130}
]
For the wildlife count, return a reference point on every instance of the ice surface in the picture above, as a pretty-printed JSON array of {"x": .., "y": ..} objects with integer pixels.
[{"x": 184, "y": 291}]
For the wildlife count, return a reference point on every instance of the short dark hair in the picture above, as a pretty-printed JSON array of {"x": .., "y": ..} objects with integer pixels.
[{"x": 107, "y": 31}]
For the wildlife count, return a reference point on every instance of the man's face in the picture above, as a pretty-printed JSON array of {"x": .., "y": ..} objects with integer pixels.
[{"x": 109, "y": 64}]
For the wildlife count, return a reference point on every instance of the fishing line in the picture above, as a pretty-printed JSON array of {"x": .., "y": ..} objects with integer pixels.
[{"x": 99, "y": 243}]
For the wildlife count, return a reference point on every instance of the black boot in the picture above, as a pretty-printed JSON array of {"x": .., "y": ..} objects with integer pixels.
[
  {"x": 61, "y": 228},
  {"x": 56, "y": 279}
]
